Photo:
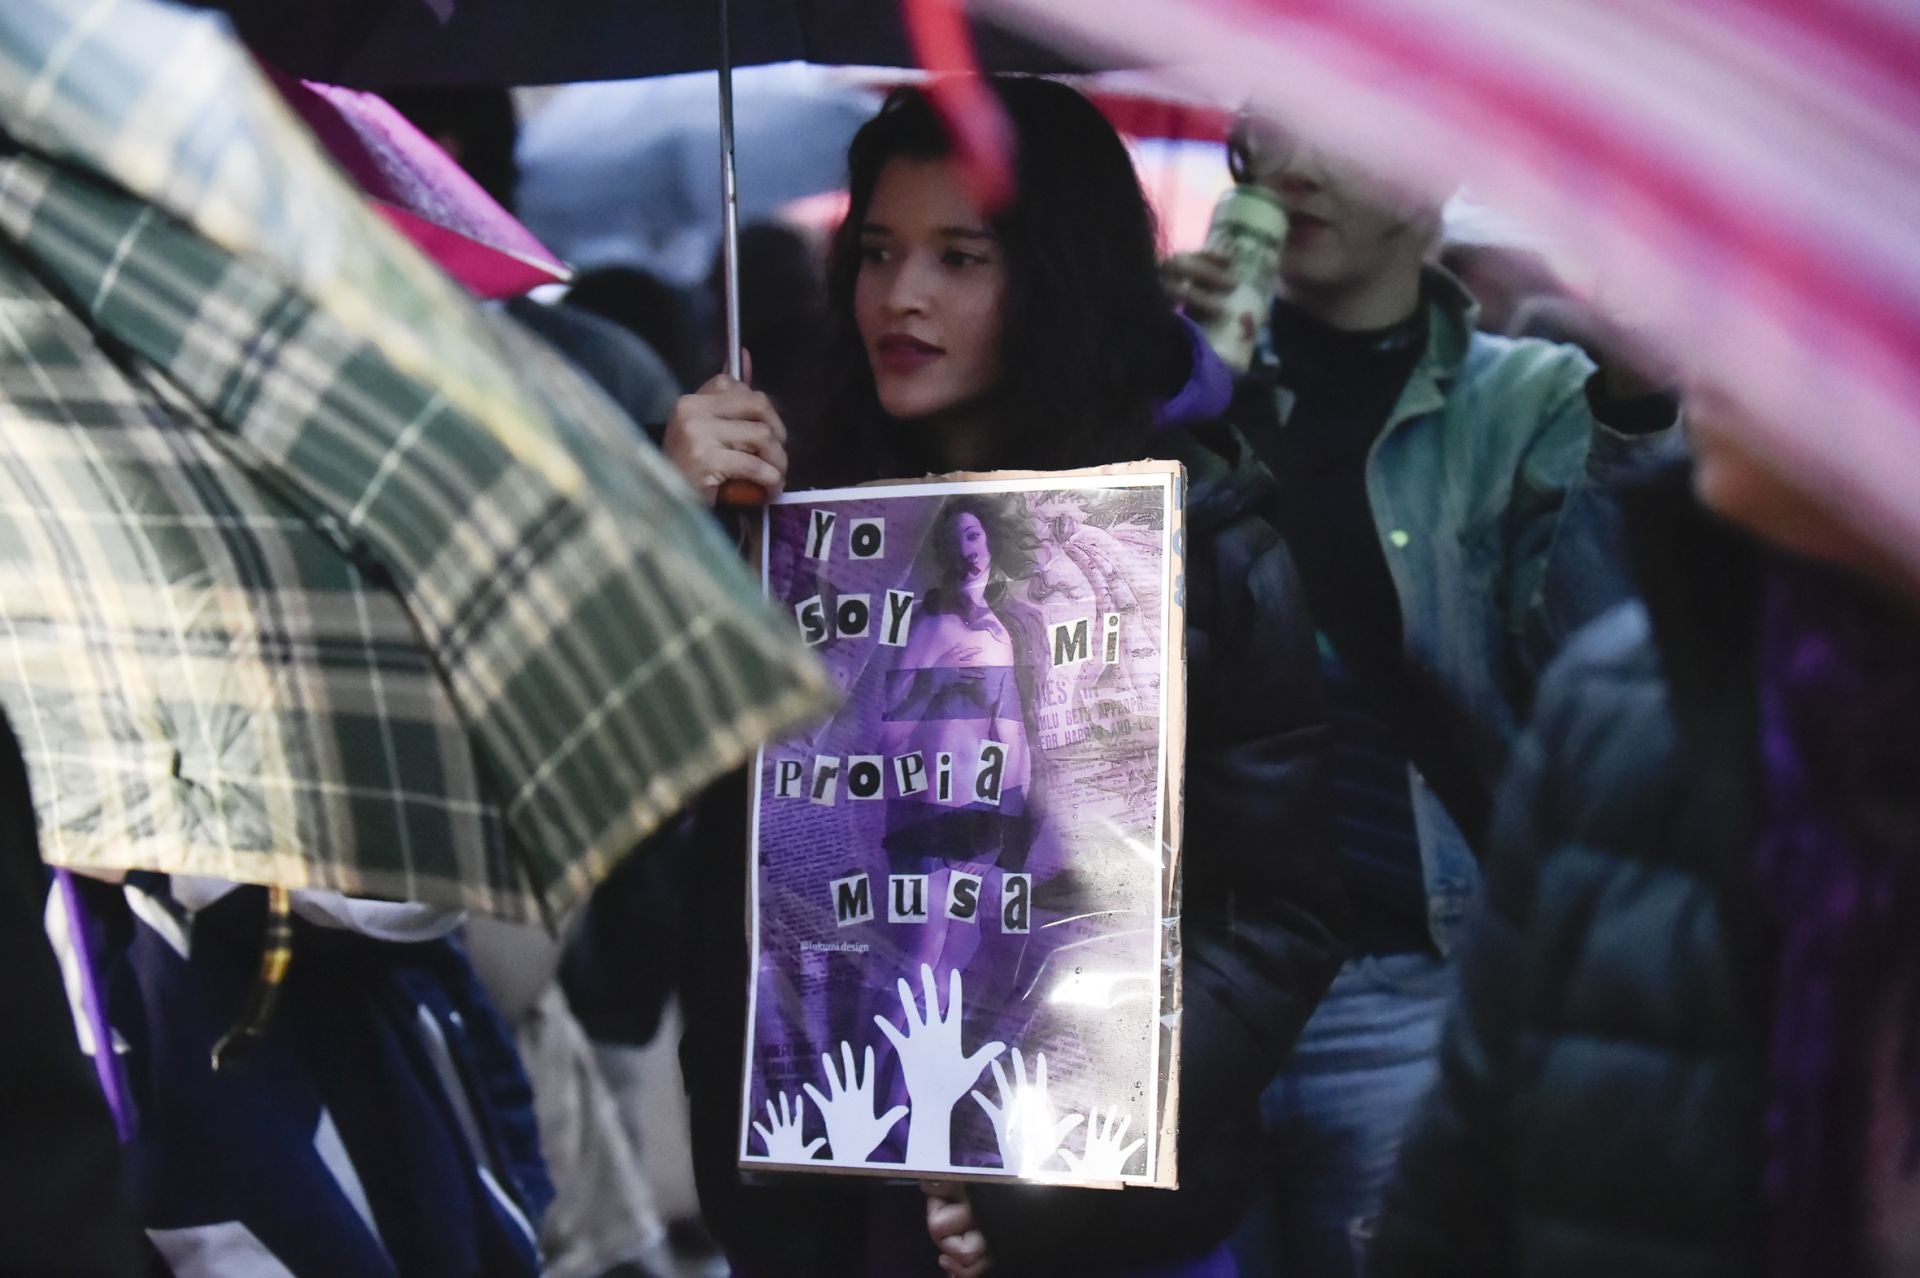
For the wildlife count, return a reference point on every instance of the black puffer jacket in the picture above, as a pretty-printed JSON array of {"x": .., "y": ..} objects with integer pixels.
[
  {"x": 1262, "y": 922},
  {"x": 1598, "y": 1113}
]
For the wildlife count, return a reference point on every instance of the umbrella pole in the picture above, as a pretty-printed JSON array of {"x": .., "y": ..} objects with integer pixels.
[
  {"x": 734, "y": 492},
  {"x": 729, "y": 201}
]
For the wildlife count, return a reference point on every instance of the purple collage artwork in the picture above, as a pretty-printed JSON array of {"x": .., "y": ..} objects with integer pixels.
[{"x": 965, "y": 960}]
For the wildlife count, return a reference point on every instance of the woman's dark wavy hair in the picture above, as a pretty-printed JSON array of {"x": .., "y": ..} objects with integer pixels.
[
  {"x": 1011, "y": 547},
  {"x": 1087, "y": 332}
]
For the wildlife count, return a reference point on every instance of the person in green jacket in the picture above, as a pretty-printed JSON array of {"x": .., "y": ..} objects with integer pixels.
[{"x": 1448, "y": 496}]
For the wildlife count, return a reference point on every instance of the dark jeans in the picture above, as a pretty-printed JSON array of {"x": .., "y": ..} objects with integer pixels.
[{"x": 1335, "y": 1117}]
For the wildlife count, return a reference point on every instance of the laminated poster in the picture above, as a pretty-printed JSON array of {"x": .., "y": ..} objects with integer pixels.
[{"x": 965, "y": 949}]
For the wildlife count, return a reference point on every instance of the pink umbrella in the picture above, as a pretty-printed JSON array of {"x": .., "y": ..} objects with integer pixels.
[
  {"x": 422, "y": 192},
  {"x": 1141, "y": 114},
  {"x": 1738, "y": 178}
]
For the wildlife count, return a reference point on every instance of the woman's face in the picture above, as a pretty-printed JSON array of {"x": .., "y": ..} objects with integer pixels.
[
  {"x": 1742, "y": 486},
  {"x": 972, "y": 554},
  {"x": 930, "y": 292}
]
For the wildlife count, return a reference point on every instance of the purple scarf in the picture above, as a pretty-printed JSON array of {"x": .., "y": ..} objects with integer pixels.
[{"x": 1839, "y": 863}]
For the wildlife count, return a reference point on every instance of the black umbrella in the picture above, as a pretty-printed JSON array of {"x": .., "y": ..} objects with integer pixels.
[{"x": 382, "y": 43}]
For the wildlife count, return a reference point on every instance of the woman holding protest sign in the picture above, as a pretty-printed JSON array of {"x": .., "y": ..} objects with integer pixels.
[{"x": 1037, "y": 338}]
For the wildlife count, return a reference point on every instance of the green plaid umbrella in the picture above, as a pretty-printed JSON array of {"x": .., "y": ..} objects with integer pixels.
[{"x": 311, "y": 573}]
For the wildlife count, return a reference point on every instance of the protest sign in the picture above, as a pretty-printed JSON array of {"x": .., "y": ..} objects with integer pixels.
[{"x": 965, "y": 955}]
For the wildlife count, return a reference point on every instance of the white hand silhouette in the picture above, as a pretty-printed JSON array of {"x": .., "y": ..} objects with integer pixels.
[
  {"x": 853, "y": 1133},
  {"x": 785, "y": 1140},
  {"x": 1104, "y": 1159},
  {"x": 1023, "y": 1121},
  {"x": 938, "y": 1072}
]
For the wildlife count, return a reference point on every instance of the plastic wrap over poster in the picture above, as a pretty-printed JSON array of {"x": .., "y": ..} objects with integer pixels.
[{"x": 965, "y": 954}]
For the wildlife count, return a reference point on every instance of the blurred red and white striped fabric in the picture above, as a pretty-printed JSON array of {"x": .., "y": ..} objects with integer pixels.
[{"x": 1739, "y": 178}]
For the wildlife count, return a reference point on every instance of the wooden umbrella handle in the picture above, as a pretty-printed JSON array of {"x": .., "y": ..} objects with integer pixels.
[
  {"x": 740, "y": 493},
  {"x": 256, "y": 1014}
]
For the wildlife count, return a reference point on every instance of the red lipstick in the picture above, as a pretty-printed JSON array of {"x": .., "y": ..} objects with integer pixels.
[{"x": 904, "y": 353}]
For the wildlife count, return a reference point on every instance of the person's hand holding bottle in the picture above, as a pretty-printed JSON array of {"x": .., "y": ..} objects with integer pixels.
[{"x": 1198, "y": 284}]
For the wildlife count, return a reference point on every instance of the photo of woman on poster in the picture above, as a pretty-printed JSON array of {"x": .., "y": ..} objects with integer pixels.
[
  {"x": 965, "y": 690},
  {"x": 968, "y": 671}
]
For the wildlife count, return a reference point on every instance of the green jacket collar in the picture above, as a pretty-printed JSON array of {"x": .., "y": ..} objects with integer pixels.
[{"x": 1452, "y": 316}]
